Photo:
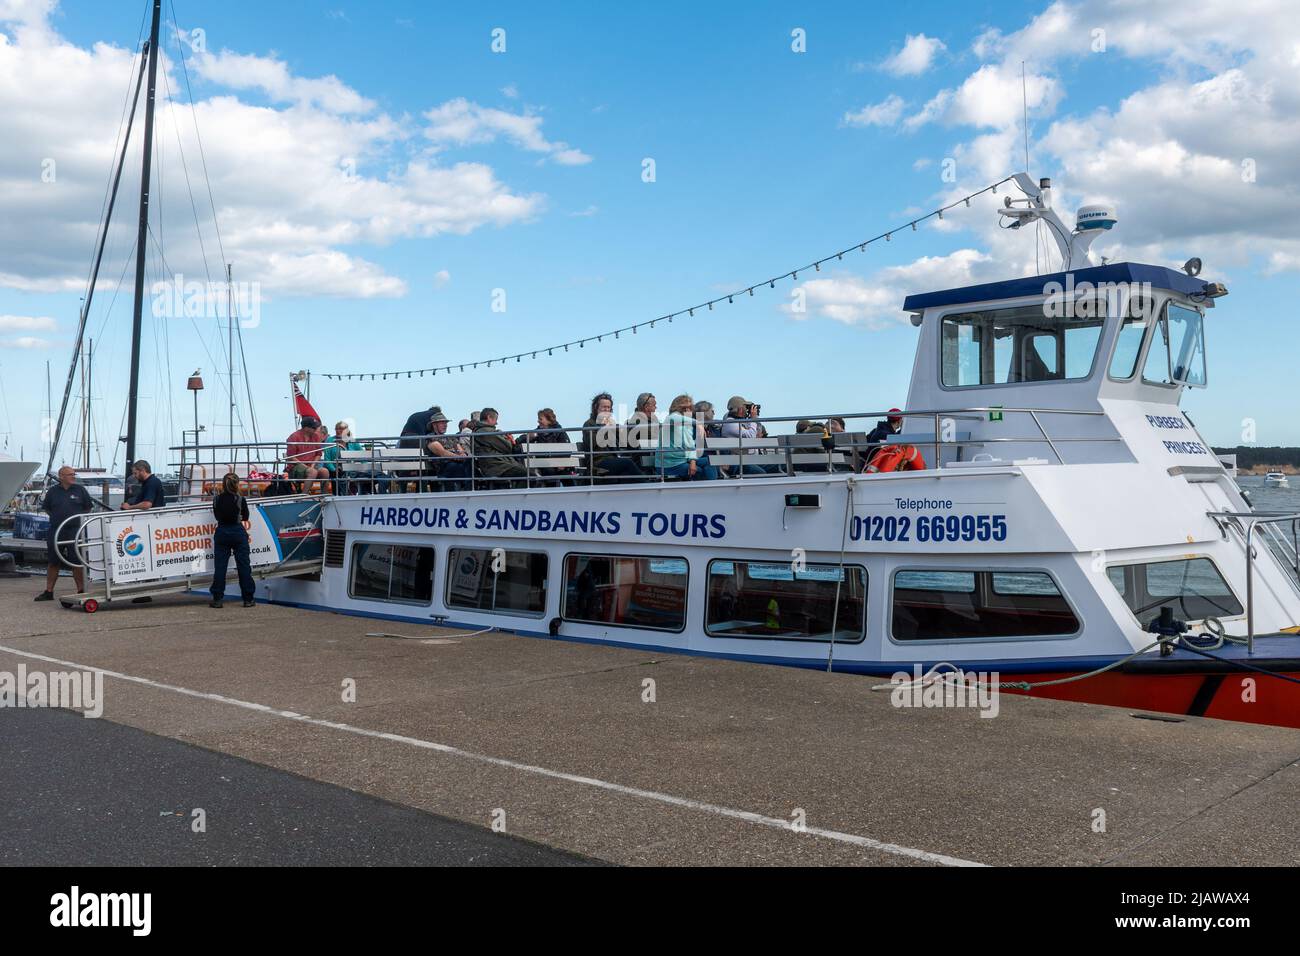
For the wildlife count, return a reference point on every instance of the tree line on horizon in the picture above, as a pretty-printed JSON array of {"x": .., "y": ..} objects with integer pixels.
[{"x": 1249, "y": 456}]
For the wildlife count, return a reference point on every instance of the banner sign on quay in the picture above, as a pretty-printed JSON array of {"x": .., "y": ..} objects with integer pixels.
[{"x": 168, "y": 543}]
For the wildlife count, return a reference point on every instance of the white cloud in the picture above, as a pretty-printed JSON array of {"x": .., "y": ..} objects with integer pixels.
[
  {"x": 300, "y": 180},
  {"x": 510, "y": 91},
  {"x": 460, "y": 122},
  {"x": 246, "y": 71},
  {"x": 884, "y": 113},
  {"x": 26, "y": 342},
  {"x": 877, "y": 302},
  {"x": 915, "y": 57},
  {"x": 991, "y": 97},
  {"x": 441, "y": 278},
  {"x": 27, "y": 323},
  {"x": 1202, "y": 161}
]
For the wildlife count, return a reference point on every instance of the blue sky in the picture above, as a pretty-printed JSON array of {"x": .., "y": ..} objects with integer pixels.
[{"x": 473, "y": 171}]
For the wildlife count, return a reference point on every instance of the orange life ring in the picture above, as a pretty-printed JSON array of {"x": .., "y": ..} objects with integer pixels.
[{"x": 895, "y": 458}]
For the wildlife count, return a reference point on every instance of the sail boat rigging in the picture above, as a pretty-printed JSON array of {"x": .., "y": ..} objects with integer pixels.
[{"x": 146, "y": 79}]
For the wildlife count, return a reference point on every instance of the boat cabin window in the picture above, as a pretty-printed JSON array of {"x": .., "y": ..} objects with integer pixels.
[
  {"x": 936, "y": 605},
  {"x": 625, "y": 591},
  {"x": 752, "y": 599},
  {"x": 391, "y": 572},
  {"x": 1128, "y": 344},
  {"x": 1193, "y": 588},
  {"x": 506, "y": 582},
  {"x": 1177, "y": 352},
  {"x": 1022, "y": 344}
]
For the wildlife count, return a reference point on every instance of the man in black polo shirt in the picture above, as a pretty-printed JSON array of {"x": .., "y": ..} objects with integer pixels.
[
  {"x": 149, "y": 494},
  {"x": 66, "y": 501}
]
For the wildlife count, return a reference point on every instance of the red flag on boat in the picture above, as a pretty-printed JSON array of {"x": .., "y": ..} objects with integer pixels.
[{"x": 301, "y": 406}]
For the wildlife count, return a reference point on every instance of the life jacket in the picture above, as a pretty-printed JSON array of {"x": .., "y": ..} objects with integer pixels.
[{"x": 895, "y": 458}]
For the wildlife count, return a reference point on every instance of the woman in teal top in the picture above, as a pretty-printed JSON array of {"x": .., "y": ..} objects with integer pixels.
[
  {"x": 330, "y": 459},
  {"x": 680, "y": 439}
]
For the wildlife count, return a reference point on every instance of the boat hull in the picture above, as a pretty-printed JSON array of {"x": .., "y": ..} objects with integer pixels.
[{"x": 1240, "y": 695}]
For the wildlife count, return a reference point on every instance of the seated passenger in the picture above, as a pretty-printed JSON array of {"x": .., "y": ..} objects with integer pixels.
[
  {"x": 704, "y": 414},
  {"x": 643, "y": 429},
  {"x": 883, "y": 430},
  {"x": 303, "y": 452},
  {"x": 740, "y": 423},
  {"x": 681, "y": 440},
  {"x": 601, "y": 445},
  {"x": 549, "y": 432},
  {"x": 331, "y": 459},
  {"x": 494, "y": 455},
  {"x": 448, "y": 457}
]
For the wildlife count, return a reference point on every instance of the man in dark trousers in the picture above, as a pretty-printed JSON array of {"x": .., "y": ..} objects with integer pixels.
[{"x": 66, "y": 501}]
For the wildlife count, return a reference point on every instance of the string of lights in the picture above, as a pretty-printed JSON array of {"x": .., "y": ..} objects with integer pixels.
[{"x": 689, "y": 312}]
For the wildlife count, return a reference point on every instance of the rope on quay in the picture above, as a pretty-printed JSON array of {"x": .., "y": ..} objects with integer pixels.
[
  {"x": 707, "y": 305},
  {"x": 426, "y": 637}
]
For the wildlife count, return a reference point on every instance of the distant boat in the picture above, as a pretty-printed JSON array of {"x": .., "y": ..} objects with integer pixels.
[
  {"x": 1275, "y": 479},
  {"x": 13, "y": 475}
]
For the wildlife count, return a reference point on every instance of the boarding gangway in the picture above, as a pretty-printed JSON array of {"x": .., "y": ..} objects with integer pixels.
[{"x": 130, "y": 555}]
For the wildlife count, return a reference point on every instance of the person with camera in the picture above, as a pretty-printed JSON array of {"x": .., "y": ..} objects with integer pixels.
[{"x": 740, "y": 422}]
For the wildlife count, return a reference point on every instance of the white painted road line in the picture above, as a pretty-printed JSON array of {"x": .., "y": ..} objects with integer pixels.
[{"x": 665, "y": 798}]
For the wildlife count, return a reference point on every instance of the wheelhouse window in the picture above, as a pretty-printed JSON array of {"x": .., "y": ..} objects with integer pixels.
[
  {"x": 1177, "y": 352},
  {"x": 1193, "y": 588},
  {"x": 1022, "y": 344},
  {"x": 507, "y": 582},
  {"x": 390, "y": 572},
  {"x": 1128, "y": 344},
  {"x": 753, "y": 599},
  {"x": 936, "y": 605},
  {"x": 625, "y": 591}
]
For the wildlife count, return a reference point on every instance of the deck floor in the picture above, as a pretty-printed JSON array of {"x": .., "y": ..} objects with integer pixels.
[{"x": 555, "y": 740}]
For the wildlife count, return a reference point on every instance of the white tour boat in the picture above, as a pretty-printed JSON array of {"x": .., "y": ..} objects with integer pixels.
[
  {"x": 1062, "y": 525},
  {"x": 1067, "y": 505}
]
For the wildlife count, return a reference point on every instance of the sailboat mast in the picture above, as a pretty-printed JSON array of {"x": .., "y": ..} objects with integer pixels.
[
  {"x": 90, "y": 382},
  {"x": 141, "y": 240},
  {"x": 230, "y": 353}
]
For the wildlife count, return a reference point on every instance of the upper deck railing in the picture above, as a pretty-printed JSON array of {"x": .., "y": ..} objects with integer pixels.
[{"x": 609, "y": 453}]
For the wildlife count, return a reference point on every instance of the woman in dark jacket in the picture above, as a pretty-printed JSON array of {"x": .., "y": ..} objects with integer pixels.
[
  {"x": 231, "y": 509},
  {"x": 601, "y": 444}
]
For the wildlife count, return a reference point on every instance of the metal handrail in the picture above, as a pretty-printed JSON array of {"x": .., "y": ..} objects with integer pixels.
[
  {"x": 273, "y": 454},
  {"x": 1251, "y": 519}
]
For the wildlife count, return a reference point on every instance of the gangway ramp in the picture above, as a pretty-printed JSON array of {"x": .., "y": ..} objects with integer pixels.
[{"x": 130, "y": 555}]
